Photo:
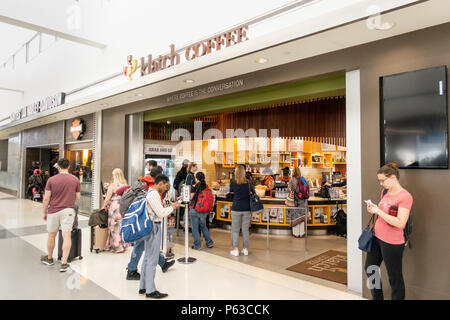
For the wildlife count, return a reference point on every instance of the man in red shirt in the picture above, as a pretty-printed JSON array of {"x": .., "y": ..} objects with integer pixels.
[{"x": 61, "y": 192}]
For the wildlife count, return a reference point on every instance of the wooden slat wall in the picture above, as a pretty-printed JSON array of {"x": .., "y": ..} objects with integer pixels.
[{"x": 320, "y": 120}]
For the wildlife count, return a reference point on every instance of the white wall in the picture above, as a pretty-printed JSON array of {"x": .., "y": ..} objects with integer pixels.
[{"x": 137, "y": 27}]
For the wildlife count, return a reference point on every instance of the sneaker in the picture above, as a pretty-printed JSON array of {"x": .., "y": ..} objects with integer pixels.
[
  {"x": 141, "y": 291},
  {"x": 133, "y": 275},
  {"x": 245, "y": 252},
  {"x": 193, "y": 247},
  {"x": 64, "y": 267},
  {"x": 234, "y": 253},
  {"x": 211, "y": 245},
  {"x": 170, "y": 255},
  {"x": 45, "y": 260},
  {"x": 156, "y": 295},
  {"x": 167, "y": 265}
]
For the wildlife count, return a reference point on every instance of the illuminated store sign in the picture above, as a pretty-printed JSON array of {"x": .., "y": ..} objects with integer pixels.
[
  {"x": 39, "y": 106},
  {"x": 204, "y": 47},
  {"x": 78, "y": 129}
]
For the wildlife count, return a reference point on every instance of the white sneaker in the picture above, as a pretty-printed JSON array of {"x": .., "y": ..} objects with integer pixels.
[
  {"x": 245, "y": 252},
  {"x": 234, "y": 253}
]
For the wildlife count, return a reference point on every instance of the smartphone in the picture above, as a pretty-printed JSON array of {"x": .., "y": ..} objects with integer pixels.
[
  {"x": 368, "y": 202},
  {"x": 180, "y": 201}
]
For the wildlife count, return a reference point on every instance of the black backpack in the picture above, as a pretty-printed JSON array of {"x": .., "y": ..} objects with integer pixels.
[
  {"x": 341, "y": 223},
  {"x": 139, "y": 190},
  {"x": 408, "y": 227}
]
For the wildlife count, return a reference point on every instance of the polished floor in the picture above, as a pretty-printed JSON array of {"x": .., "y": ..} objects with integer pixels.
[{"x": 215, "y": 275}]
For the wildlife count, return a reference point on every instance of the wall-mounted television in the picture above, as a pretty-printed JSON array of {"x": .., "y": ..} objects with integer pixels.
[{"x": 414, "y": 119}]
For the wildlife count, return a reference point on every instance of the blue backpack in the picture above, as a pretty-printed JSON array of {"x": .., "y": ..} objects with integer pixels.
[{"x": 136, "y": 224}]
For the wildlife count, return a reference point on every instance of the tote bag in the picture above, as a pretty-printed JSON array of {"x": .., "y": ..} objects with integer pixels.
[
  {"x": 365, "y": 241},
  {"x": 256, "y": 205}
]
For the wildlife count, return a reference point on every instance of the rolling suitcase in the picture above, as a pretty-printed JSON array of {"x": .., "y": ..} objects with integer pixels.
[
  {"x": 75, "y": 249},
  {"x": 99, "y": 236}
]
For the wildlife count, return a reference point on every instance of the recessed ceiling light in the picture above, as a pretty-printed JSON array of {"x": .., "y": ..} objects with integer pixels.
[
  {"x": 385, "y": 26},
  {"x": 138, "y": 94},
  {"x": 261, "y": 60},
  {"x": 189, "y": 81}
]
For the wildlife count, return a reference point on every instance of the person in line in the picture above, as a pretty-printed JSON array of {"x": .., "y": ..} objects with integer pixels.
[
  {"x": 190, "y": 177},
  {"x": 61, "y": 192},
  {"x": 115, "y": 242},
  {"x": 240, "y": 210},
  {"x": 294, "y": 187},
  {"x": 156, "y": 212},
  {"x": 198, "y": 219},
  {"x": 180, "y": 177},
  {"x": 393, "y": 212},
  {"x": 149, "y": 165},
  {"x": 138, "y": 249},
  {"x": 285, "y": 177}
]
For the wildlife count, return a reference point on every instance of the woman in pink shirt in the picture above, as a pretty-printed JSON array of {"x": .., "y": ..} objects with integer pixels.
[{"x": 389, "y": 242}]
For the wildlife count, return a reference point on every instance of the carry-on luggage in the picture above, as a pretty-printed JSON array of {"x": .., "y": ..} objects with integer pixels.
[
  {"x": 99, "y": 235},
  {"x": 75, "y": 249}
]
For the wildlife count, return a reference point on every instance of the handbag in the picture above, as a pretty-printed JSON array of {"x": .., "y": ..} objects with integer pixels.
[
  {"x": 256, "y": 205},
  {"x": 365, "y": 241},
  {"x": 98, "y": 217},
  {"x": 290, "y": 199}
]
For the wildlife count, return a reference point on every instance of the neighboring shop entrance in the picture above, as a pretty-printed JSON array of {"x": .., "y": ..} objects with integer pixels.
[
  {"x": 81, "y": 166},
  {"x": 42, "y": 158}
]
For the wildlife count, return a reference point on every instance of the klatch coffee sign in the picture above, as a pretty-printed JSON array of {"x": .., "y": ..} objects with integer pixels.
[
  {"x": 152, "y": 64},
  {"x": 78, "y": 129}
]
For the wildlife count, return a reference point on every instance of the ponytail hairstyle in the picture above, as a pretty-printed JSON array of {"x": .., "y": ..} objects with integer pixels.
[
  {"x": 200, "y": 176},
  {"x": 390, "y": 169},
  {"x": 202, "y": 183}
]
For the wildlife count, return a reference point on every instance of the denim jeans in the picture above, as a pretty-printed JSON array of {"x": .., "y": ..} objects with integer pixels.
[
  {"x": 239, "y": 218},
  {"x": 136, "y": 255},
  {"x": 198, "y": 221}
]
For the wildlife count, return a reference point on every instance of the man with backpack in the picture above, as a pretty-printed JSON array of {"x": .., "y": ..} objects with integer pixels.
[
  {"x": 138, "y": 249},
  {"x": 157, "y": 212},
  {"x": 181, "y": 176}
]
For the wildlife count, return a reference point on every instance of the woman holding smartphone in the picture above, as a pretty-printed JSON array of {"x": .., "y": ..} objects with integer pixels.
[{"x": 389, "y": 242}]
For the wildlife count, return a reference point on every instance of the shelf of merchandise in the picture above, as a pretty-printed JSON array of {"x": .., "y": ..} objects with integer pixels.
[{"x": 312, "y": 208}]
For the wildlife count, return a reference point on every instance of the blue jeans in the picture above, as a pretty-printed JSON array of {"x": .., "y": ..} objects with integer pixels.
[
  {"x": 198, "y": 221},
  {"x": 136, "y": 255}
]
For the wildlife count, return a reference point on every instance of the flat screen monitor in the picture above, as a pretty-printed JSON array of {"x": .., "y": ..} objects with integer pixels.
[{"x": 414, "y": 121}]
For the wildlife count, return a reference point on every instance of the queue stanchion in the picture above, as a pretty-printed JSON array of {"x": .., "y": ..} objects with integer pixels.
[{"x": 186, "y": 198}]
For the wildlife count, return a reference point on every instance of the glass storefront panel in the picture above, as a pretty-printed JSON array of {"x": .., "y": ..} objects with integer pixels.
[{"x": 81, "y": 166}]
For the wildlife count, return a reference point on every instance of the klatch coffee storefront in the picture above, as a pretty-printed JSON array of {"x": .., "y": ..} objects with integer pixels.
[{"x": 327, "y": 112}]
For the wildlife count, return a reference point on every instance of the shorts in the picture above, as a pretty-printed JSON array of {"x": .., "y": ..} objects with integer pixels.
[{"x": 64, "y": 219}]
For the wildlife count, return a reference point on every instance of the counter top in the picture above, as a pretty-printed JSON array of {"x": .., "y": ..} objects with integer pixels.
[{"x": 311, "y": 201}]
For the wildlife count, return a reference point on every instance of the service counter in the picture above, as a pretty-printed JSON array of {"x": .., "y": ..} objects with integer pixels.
[{"x": 321, "y": 212}]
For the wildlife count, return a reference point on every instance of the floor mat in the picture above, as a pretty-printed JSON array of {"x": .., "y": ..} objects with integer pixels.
[{"x": 331, "y": 265}]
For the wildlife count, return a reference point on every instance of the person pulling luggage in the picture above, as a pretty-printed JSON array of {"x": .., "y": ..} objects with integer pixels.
[{"x": 61, "y": 192}]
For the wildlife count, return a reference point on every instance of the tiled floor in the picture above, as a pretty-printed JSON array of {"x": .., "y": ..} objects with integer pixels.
[{"x": 102, "y": 276}]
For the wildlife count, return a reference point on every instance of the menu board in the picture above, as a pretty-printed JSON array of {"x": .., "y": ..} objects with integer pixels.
[
  {"x": 262, "y": 144},
  {"x": 295, "y": 145},
  {"x": 213, "y": 145},
  {"x": 278, "y": 144},
  {"x": 242, "y": 144},
  {"x": 328, "y": 147}
]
